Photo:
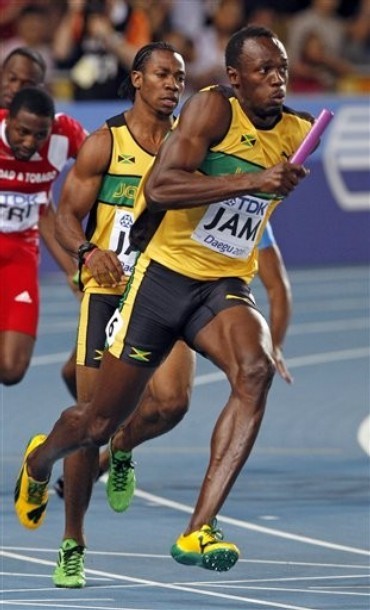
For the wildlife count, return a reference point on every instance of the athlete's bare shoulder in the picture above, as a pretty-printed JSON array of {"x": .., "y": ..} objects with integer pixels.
[
  {"x": 100, "y": 134},
  {"x": 96, "y": 150},
  {"x": 207, "y": 112}
]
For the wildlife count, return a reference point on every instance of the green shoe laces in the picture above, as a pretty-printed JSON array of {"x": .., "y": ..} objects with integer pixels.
[
  {"x": 212, "y": 534},
  {"x": 121, "y": 464},
  {"x": 36, "y": 492},
  {"x": 72, "y": 560}
]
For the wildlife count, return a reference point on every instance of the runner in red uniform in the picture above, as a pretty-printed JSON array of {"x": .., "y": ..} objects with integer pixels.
[
  {"x": 34, "y": 147},
  {"x": 25, "y": 67}
]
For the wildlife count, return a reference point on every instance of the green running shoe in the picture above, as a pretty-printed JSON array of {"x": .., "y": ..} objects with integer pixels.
[
  {"x": 121, "y": 481},
  {"x": 69, "y": 572}
]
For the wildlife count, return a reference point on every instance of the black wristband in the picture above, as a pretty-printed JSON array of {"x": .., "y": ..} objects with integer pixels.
[{"x": 84, "y": 248}]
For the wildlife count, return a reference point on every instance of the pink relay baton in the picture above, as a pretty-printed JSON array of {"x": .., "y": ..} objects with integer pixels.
[{"x": 313, "y": 136}]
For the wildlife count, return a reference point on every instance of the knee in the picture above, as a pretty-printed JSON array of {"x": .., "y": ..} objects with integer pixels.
[
  {"x": 12, "y": 372},
  {"x": 256, "y": 374},
  {"x": 75, "y": 418},
  {"x": 92, "y": 431},
  {"x": 265, "y": 369},
  {"x": 99, "y": 431},
  {"x": 172, "y": 406},
  {"x": 262, "y": 370}
]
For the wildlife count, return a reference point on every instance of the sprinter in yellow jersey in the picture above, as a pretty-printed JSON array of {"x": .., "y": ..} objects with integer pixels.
[
  {"x": 102, "y": 186},
  {"x": 207, "y": 302}
]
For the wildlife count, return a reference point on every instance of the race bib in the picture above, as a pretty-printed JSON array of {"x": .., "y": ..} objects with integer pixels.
[
  {"x": 20, "y": 211},
  {"x": 113, "y": 326},
  {"x": 232, "y": 227},
  {"x": 119, "y": 240}
]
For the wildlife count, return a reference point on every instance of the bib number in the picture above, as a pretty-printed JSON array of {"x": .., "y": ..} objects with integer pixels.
[
  {"x": 120, "y": 241},
  {"x": 113, "y": 327},
  {"x": 232, "y": 227}
]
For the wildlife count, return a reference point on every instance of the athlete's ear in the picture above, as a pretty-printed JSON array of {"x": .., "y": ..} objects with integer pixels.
[
  {"x": 233, "y": 75},
  {"x": 136, "y": 79}
]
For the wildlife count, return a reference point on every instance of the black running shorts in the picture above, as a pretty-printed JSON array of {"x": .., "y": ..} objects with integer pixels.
[
  {"x": 161, "y": 306},
  {"x": 95, "y": 313}
]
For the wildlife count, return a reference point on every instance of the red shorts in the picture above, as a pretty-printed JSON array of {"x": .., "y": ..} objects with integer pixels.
[{"x": 19, "y": 285}]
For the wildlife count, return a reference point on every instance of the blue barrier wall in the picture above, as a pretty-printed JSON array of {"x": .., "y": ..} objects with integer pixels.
[{"x": 327, "y": 219}]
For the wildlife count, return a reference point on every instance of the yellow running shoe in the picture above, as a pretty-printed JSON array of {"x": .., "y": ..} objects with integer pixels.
[
  {"x": 30, "y": 496},
  {"x": 206, "y": 548}
]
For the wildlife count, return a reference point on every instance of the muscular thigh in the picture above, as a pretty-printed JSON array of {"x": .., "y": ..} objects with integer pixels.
[
  {"x": 162, "y": 306},
  {"x": 228, "y": 328},
  {"x": 217, "y": 296},
  {"x": 95, "y": 312},
  {"x": 235, "y": 339}
]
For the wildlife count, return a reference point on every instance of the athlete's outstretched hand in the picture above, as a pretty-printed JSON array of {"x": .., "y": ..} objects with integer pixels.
[{"x": 281, "y": 365}]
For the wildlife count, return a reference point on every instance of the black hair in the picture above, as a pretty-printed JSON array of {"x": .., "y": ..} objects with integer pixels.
[
  {"x": 33, "y": 10},
  {"x": 33, "y": 99},
  {"x": 30, "y": 54},
  {"x": 93, "y": 7},
  {"x": 234, "y": 47},
  {"x": 126, "y": 89}
]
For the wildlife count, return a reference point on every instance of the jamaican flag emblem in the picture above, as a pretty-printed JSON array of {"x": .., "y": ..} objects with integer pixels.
[
  {"x": 126, "y": 159},
  {"x": 248, "y": 140}
]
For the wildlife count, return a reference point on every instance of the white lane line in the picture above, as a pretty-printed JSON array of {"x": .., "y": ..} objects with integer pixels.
[
  {"x": 251, "y": 526},
  {"x": 233, "y": 598},
  {"x": 157, "y": 584},
  {"x": 301, "y": 328},
  {"x": 63, "y": 605},
  {"x": 316, "y": 564},
  {"x": 304, "y": 305},
  {"x": 299, "y": 361},
  {"x": 47, "y": 359},
  {"x": 363, "y": 435},
  {"x": 312, "y": 564},
  {"x": 332, "y": 274},
  {"x": 287, "y": 579},
  {"x": 311, "y": 589},
  {"x": 330, "y": 326},
  {"x": 56, "y": 328}
]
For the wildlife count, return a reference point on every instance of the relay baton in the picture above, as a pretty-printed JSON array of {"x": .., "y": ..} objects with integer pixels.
[{"x": 313, "y": 136}]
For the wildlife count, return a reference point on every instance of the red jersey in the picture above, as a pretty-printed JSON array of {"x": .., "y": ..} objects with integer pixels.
[{"x": 25, "y": 186}]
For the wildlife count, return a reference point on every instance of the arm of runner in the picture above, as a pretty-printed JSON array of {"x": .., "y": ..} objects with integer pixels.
[
  {"x": 47, "y": 232},
  {"x": 79, "y": 194},
  {"x": 173, "y": 182},
  {"x": 274, "y": 276}
]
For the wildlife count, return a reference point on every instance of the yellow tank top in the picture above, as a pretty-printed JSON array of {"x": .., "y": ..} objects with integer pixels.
[
  {"x": 111, "y": 217},
  {"x": 220, "y": 239}
]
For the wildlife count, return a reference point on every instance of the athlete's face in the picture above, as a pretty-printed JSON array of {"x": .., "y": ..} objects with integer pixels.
[
  {"x": 162, "y": 81},
  {"x": 18, "y": 72},
  {"x": 261, "y": 78},
  {"x": 27, "y": 133}
]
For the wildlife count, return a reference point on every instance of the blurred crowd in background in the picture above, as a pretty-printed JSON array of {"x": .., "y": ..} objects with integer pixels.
[{"x": 89, "y": 45}]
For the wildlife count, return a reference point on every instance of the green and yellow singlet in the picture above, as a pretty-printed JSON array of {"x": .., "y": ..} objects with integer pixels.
[
  {"x": 220, "y": 239},
  {"x": 111, "y": 217}
]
